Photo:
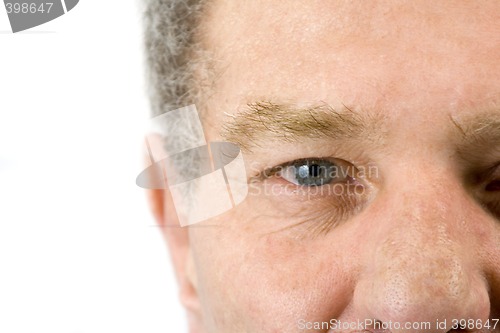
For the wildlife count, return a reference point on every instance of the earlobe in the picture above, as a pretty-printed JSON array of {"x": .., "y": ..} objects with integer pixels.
[
  {"x": 189, "y": 287},
  {"x": 189, "y": 297}
]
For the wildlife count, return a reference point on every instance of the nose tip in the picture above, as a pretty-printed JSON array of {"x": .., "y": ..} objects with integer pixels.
[{"x": 420, "y": 293}]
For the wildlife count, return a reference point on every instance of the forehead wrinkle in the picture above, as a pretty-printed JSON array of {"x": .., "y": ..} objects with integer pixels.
[{"x": 265, "y": 121}]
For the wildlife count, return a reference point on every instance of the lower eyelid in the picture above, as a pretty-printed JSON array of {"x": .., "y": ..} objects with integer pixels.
[
  {"x": 317, "y": 224},
  {"x": 320, "y": 216}
]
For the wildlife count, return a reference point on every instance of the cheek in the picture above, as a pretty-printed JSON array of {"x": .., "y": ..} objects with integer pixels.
[{"x": 253, "y": 281}]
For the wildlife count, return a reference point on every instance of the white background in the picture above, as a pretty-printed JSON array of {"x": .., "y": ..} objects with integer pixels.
[{"x": 79, "y": 250}]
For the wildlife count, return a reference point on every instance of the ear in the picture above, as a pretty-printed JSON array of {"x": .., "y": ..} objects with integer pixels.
[{"x": 177, "y": 238}]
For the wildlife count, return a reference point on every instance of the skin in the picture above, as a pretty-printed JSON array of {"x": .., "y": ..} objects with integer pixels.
[{"x": 422, "y": 243}]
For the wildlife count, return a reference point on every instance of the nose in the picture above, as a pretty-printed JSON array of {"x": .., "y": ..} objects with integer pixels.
[{"x": 421, "y": 268}]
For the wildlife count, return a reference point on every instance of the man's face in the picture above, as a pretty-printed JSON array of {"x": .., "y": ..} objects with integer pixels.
[{"x": 402, "y": 96}]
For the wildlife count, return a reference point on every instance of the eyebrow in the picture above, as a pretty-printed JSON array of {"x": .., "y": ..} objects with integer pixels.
[
  {"x": 261, "y": 122},
  {"x": 479, "y": 127},
  {"x": 477, "y": 133}
]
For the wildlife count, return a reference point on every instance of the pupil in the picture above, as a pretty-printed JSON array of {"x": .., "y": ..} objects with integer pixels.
[{"x": 314, "y": 170}]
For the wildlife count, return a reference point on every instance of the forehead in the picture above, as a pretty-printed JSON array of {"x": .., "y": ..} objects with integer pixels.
[{"x": 413, "y": 55}]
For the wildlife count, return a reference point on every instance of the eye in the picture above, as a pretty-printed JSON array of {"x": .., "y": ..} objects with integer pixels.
[
  {"x": 317, "y": 192},
  {"x": 491, "y": 191},
  {"x": 313, "y": 172},
  {"x": 493, "y": 180}
]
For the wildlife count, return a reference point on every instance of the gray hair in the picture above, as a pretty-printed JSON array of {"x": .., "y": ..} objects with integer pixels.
[
  {"x": 173, "y": 49},
  {"x": 173, "y": 55}
]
